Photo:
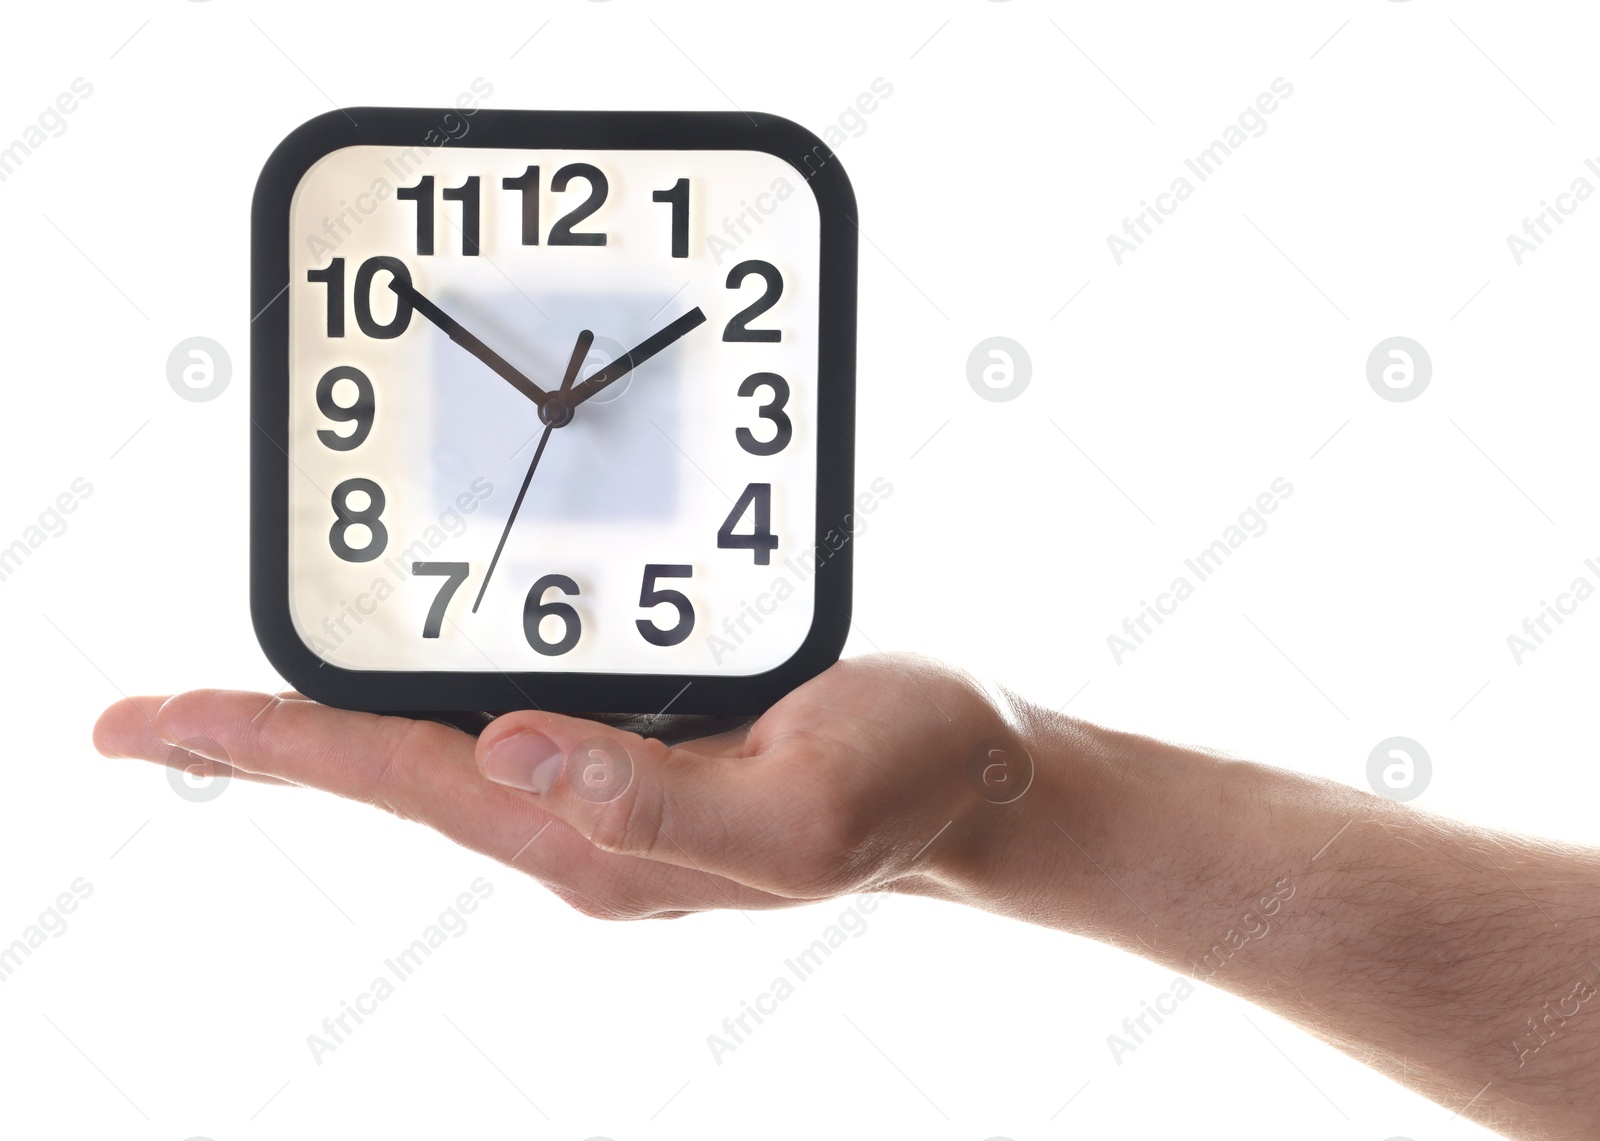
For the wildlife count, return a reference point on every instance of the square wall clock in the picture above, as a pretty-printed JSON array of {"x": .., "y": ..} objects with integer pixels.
[{"x": 552, "y": 409}]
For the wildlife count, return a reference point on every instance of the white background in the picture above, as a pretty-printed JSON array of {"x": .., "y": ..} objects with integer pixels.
[{"x": 1230, "y": 350}]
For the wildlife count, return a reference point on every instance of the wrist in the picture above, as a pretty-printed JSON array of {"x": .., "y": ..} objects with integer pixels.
[
  {"x": 1042, "y": 796},
  {"x": 1118, "y": 837}
]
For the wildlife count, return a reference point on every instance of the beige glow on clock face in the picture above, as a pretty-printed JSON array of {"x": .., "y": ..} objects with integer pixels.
[{"x": 668, "y": 525}]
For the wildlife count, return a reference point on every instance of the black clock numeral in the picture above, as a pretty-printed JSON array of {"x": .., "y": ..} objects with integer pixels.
[
  {"x": 402, "y": 305},
  {"x": 650, "y": 596},
  {"x": 360, "y": 413},
  {"x": 333, "y": 278},
  {"x": 347, "y": 517},
  {"x": 528, "y": 183},
  {"x": 422, "y": 195},
  {"x": 739, "y": 328},
  {"x": 678, "y": 195},
  {"x": 761, "y": 541},
  {"x": 561, "y": 234},
  {"x": 467, "y": 195},
  {"x": 455, "y": 574},
  {"x": 772, "y": 410},
  {"x": 535, "y": 610}
]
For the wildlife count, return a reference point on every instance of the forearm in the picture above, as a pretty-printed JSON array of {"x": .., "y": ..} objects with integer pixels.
[{"x": 1456, "y": 960}]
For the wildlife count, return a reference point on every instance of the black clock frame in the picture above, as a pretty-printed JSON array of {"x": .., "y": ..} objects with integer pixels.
[{"x": 418, "y": 692}]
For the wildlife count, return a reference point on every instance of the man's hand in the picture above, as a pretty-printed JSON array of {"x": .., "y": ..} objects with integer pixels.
[
  {"x": 1462, "y": 962},
  {"x": 840, "y": 787}
]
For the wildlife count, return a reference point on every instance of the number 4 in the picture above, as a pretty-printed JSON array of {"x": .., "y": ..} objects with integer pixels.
[{"x": 761, "y": 541}]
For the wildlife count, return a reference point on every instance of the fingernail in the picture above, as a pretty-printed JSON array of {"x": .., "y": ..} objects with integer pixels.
[{"x": 529, "y": 761}]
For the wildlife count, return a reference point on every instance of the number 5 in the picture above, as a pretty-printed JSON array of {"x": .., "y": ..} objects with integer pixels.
[{"x": 650, "y": 596}]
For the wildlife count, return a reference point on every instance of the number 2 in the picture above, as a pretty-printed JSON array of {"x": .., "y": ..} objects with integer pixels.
[
  {"x": 739, "y": 328},
  {"x": 561, "y": 234}
]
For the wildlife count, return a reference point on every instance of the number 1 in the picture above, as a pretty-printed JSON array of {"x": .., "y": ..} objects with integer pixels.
[{"x": 678, "y": 195}]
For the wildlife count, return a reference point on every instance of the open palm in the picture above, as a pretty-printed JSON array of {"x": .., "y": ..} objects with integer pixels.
[{"x": 841, "y": 786}]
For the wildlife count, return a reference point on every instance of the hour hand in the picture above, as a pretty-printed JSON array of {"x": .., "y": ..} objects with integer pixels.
[
  {"x": 636, "y": 356},
  {"x": 466, "y": 340}
]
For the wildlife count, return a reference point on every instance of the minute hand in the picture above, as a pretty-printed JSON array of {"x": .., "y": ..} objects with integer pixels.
[
  {"x": 466, "y": 340},
  {"x": 636, "y": 356}
]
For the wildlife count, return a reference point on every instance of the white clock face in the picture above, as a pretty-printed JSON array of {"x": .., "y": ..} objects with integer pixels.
[{"x": 439, "y": 299}]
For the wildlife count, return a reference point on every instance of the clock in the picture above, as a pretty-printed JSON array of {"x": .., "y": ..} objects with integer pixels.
[{"x": 552, "y": 410}]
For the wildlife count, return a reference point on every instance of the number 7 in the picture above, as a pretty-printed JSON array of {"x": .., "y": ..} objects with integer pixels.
[{"x": 456, "y": 574}]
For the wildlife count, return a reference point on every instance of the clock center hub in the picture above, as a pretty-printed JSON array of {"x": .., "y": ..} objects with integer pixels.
[{"x": 555, "y": 412}]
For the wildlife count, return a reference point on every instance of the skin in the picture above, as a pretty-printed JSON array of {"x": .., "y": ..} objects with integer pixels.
[{"x": 1454, "y": 959}]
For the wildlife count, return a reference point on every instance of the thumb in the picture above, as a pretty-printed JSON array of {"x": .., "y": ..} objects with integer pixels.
[{"x": 626, "y": 793}]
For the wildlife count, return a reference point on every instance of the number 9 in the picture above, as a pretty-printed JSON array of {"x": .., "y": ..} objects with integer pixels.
[{"x": 360, "y": 413}]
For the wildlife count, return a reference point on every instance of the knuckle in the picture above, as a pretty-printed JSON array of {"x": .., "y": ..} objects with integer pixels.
[
  {"x": 629, "y": 819},
  {"x": 407, "y": 740},
  {"x": 626, "y": 825}
]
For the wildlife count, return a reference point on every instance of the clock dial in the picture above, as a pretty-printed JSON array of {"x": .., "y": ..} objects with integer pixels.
[
  {"x": 552, "y": 410},
  {"x": 556, "y": 410}
]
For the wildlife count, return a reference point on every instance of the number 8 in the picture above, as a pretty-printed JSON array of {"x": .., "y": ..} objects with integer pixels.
[{"x": 366, "y": 517}]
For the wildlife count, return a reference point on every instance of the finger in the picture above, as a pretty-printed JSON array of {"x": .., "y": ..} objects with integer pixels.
[
  {"x": 127, "y": 730},
  {"x": 350, "y": 754},
  {"x": 424, "y": 771},
  {"x": 715, "y": 811}
]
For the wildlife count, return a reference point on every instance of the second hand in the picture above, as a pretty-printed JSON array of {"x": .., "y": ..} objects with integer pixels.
[{"x": 579, "y": 352}]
